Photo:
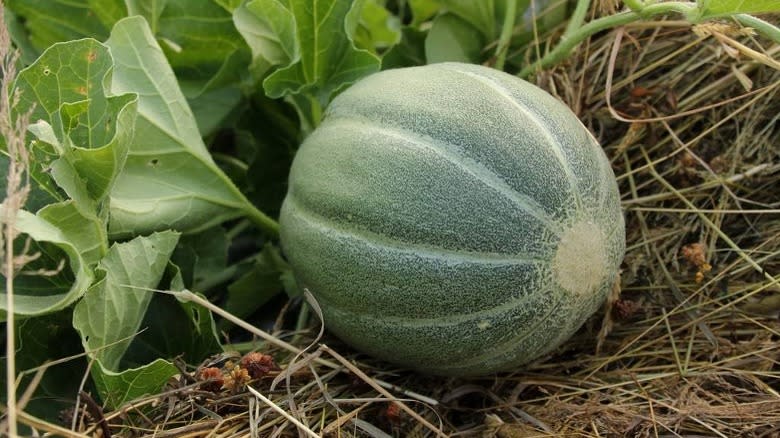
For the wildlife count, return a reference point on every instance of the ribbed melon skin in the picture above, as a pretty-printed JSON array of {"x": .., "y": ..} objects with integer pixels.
[{"x": 452, "y": 219}]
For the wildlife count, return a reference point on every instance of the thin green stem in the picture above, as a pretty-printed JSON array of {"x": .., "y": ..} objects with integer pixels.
[
  {"x": 230, "y": 160},
  {"x": 262, "y": 221},
  {"x": 562, "y": 50},
  {"x": 763, "y": 27},
  {"x": 574, "y": 35},
  {"x": 237, "y": 229},
  {"x": 577, "y": 18},
  {"x": 216, "y": 279},
  {"x": 506, "y": 33},
  {"x": 301, "y": 323},
  {"x": 634, "y": 5}
]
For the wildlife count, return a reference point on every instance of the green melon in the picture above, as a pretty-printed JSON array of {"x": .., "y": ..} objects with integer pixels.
[{"x": 452, "y": 219}]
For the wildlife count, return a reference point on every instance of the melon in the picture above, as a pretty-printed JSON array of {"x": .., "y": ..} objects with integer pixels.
[{"x": 452, "y": 219}]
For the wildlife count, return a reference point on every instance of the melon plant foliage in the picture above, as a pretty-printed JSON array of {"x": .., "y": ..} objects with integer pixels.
[{"x": 161, "y": 139}]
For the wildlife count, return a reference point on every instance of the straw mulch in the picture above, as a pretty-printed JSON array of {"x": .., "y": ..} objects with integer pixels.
[{"x": 687, "y": 347}]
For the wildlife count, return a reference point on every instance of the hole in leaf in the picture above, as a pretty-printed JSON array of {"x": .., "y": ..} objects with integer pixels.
[
  {"x": 46, "y": 71},
  {"x": 154, "y": 162}
]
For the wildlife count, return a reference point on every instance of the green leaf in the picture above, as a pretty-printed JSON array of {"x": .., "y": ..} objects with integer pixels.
[
  {"x": 111, "y": 311},
  {"x": 452, "y": 39},
  {"x": 174, "y": 329},
  {"x": 151, "y": 10},
  {"x": 43, "y": 339},
  {"x": 57, "y": 285},
  {"x": 377, "y": 27},
  {"x": 229, "y": 5},
  {"x": 20, "y": 38},
  {"x": 85, "y": 232},
  {"x": 89, "y": 131},
  {"x": 201, "y": 44},
  {"x": 326, "y": 58},
  {"x": 422, "y": 10},
  {"x": 481, "y": 15},
  {"x": 169, "y": 181},
  {"x": 51, "y": 22},
  {"x": 720, "y": 8},
  {"x": 259, "y": 285},
  {"x": 108, "y": 12},
  {"x": 268, "y": 134},
  {"x": 487, "y": 16},
  {"x": 268, "y": 26},
  {"x": 409, "y": 52},
  {"x": 212, "y": 108},
  {"x": 200, "y": 256},
  {"x": 198, "y": 36},
  {"x": 37, "y": 198},
  {"x": 117, "y": 388},
  {"x": 195, "y": 332}
]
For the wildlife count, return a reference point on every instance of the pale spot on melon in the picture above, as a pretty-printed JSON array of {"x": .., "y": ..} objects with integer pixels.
[{"x": 580, "y": 262}]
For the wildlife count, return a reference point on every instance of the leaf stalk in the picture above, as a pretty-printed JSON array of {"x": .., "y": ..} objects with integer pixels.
[{"x": 506, "y": 34}]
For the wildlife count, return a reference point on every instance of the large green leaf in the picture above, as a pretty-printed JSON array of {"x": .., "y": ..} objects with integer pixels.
[
  {"x": 422, "y": 10},
  {"x": 267, "y": 135},
  {"x": 174, "y": 328},
  {"x": 88, "y": 130},
  {"x": 49, "y": 22},
  {"x": 198, "y": 36},
  {"x": 169, "y": 181},
  {"x": 259, "y": 285},
  {"x": 117, "y": 388},
  {"x": 86, "y": 233},
  {"x": 326, "y": 59},
  {"x": 268, "y": 26},
  {"x": 480, "y": 14},
  {"x": 111, "y": 311},
  {"x": 451, "y": 39},
  {"x": 151, "y": 10},
  {"x": 57, "y": 285},
  {"x": 201, "y": 44},
  {"x": 378, "y": 29},
  {"x": 487, "y": 16},
  {"x": 212, "y": 108},
  {"x": 201, "y": 256},
  {"x": 37, "y": 197}
]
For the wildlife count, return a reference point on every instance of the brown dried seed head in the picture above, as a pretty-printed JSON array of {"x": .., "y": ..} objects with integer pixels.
[
  {"x": 212, "y": 379},
  {"x": 258, "y": 364},
  {"x": 393, "y": 412},
  {"x": 694, "y": 253},
  {"x": 237, "y": 379}
]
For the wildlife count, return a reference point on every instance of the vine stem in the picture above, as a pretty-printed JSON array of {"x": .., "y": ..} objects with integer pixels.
[
  {"x": 263, "y": 221},
  {"x": 763, "y": 27},
  {"x": 634, "y": 5},
  {"x": 565, "y": 46},
  {"x": 577, "y": 18},
  {"x": 576, "y": 33},
  {"x": 506, "y": 34}
]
